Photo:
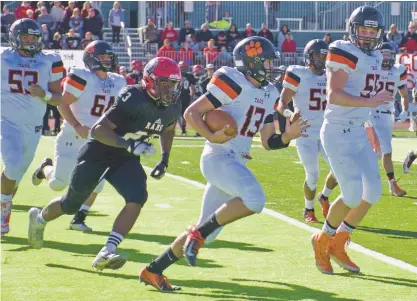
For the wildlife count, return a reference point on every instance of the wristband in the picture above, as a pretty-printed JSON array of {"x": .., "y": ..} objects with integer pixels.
[
  {"x": 275, "y": 142},
  {"x": 48, "y": 96}
]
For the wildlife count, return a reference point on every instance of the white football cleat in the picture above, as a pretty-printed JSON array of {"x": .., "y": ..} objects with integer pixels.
[
  {"x": 6, "y": 211},
  {"x": 80, "y": 227},
  {"x": 108, "y": 260},
  {"x": 35, "y": 233}
]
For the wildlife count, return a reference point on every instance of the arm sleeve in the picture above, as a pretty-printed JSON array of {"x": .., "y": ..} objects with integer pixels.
[
  {"x": 222, "y": 89},
  {"x": 74, "y": 83},
  {"x": 291, "y": 79},
  {"x": 341, "y": 59}
]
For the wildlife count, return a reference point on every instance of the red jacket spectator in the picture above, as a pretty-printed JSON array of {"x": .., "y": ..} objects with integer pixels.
[
  {"x": 186, "y": 54},
  {"x": 210, "y": 52},
  {"x": 20, "y": 12},
  {"x": 167, "y": 50},
  {"x": 289, "y": 44},
  {"x": 169, "y": 33},
  {"x": 410, "y": 44},
  {"x": 249, "y": 32}
]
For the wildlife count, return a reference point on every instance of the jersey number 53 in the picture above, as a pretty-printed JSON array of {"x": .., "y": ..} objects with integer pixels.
[{"x": 18, "y": 77}]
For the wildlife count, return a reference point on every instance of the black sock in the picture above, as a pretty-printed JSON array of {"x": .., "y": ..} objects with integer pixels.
[
  {"x": 162, "y": 262},
  {"x": 390, "y": 175},
  {"x": 209, "y": 226}
]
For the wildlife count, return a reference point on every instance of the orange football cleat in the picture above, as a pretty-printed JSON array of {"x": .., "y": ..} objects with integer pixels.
[
  {"x": 324, "y": 203},
  {"x": 395, "y": 189},
  {"x": 310, "y": 217},
  {"x": 160, "y": 282},
  {"x": 338, "y": 254},
  {"x": 320, "y": 242},
  {"x": 192, "y": 245}
]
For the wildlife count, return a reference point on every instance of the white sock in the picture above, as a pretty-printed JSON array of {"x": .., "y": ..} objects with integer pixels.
[
  {"x": 48, "y": 171},
  {"x": 5, "y": 198},
  {"x": 328, "y": 229},
  {"x": 85, "y": 207},
  {"x": 345, "y": 227},
  {"x": 113, "y": 241},
  {"x": 40, "y": 219},
  {"x": 309, "y": 204},
  {"x": 326, "y": 191}
]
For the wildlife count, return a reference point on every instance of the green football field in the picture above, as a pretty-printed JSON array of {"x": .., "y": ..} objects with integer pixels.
[{"x": 260, "y": 258}]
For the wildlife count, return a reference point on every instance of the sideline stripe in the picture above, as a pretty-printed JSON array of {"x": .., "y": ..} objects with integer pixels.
[{"x": 384, "y": 258}]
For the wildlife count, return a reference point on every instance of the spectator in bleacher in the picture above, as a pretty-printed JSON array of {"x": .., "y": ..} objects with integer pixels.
[
  {"x": 56, "y": 42},
  {"x": 192, "y": 41},
  {"x": 186, "y": 53},
  {"x": 328, "y": 38},
  {"x": 282, "y": 36},
  {"x": 86, "y": 8},
  {"x": 30, "y": 14},
  {"x": 266, "y": 33},
  {"x": 249, "y": 32},
  {"x": 345, "y": 37},
  {"x": 221, "y": 39},
  {"x": 58, "y": 13},
  {"x": 206, "y": 79},
  {"x": 204, "y": 35},
  {"x": 225, "y": 58},
  {"x": 72, "y": 41},
  {"x": 93, "y": 24},
  {"x": 210, "y": 52},
  {"x": 123, "y": 71},
  {"x": 394, "y": 36},
  {"x": 7, "y": 19},
  {"x": 171, "y": 34},
  {"x": 289, "y": 45},
  {"x": 39, "y": 5},
  {"x": 45, "y": 36},
  {"x": 20, "y": 12},
  {"x": 97, "y": 7},
  {"x": 135, "y": 73},
  {"x": 45, "y": 18},
  {"x": 167, "y": 50},
  {"x": 116, "y": 17},
  {"x": 186, "y": 30},
  {"x": 410, "y": 38},
  {"x": 88, "y": 38},
  {"x": 233, "y": 37},
  {"x": 150, "y": 33},
  {"x": 69, "y": 12},
  {"x": 76, "y": 22}
]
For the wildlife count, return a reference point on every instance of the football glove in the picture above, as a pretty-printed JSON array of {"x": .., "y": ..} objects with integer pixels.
[
  {"x": 403, "y": 116},
  {"x": 141, "y": 148},
  {"x": 159, "y": 170}
]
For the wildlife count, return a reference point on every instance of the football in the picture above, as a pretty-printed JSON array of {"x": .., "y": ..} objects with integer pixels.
[{"x": 217, "y": 119}]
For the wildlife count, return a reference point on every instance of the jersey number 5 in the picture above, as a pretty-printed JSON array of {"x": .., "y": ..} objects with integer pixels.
[
  {"x": 99, "y": 106},
  {"x": 16, "y": 78},
  {"x": 372, "y": 84},
  {"x": 260, "y": 112},
  {"x": 315, "y": 102}
]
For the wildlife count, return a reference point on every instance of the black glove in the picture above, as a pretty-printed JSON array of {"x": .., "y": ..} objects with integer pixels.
[{"x": 159, "y": 170}]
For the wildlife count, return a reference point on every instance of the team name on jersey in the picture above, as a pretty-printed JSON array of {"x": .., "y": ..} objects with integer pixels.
[{"x": 155, "y": 126}]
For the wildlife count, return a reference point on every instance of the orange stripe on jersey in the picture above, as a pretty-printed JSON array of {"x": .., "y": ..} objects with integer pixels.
[
  {"x": 291, "y": 81},
  {"x": 341, "y": 56},
  {"x": 403, "y": 76},
  {"x": 75, "y": 84},
  {"x": 224, "y": 87},
  {"x": 58, "y": 69}
]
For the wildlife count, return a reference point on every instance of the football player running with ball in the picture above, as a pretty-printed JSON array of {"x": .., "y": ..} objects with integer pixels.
[
  {"x": 88, "y": 93},
  {"x": 119, "y": 138},
  {"x": 307, "y": 87},
  {"x": 232, "y": 191},
  {"x": 353, "y": 69},
  {"x": 30, "y": 79}
]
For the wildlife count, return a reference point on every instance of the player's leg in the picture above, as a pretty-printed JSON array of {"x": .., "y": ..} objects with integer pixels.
[
  {"x": 371, "y": 194},
  {"x": 308, "y": 152},
  {"x": 129, "y": 179},
  {"x": 213, "y": 198},
  {"x": 408, "y": 161},
  {"x": 329, "y": 185},
  {"x": 236, "y": 180}
]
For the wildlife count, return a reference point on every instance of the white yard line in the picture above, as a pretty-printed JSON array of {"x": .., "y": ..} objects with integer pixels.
[{"x": 386, "y": 259}]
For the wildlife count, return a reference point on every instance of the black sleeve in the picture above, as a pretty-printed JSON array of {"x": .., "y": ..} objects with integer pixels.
[{"x": 123, "y": 112}]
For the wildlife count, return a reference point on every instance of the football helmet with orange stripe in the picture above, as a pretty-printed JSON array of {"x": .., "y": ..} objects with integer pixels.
[
  {"x": 25, "y": 35},
  {"x": 253, "y": 56}
]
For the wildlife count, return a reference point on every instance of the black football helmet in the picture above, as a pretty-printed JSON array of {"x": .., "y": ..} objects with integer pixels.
[
  {"x": 27, "y": 27},
  {"x": 388, "y": 53},
  {"x": 318, "y": 47},
  {"x": 366, "y": 16},
  {"x": 249, "y": 56},
  {"x": 92, "y": 59}
]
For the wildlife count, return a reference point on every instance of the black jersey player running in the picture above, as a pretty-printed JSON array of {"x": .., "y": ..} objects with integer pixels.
[{"x": 119, "y": 138}]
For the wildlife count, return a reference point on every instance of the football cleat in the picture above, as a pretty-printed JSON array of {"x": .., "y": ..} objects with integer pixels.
[
  {"x": 38, "y": 174},
  {"x": 320, "y": 242},
  {"x": 338, "y": 254},
  {"x": 160, "y": 282},
  {"x": 408, "y": 161},
  {"x": 192, "y": 245},
  {"x": 108, "y": 260},
  {"x": 35, "y": 232},
  {"x": 6, "y": 211},
  {"x": 78, "y": 222},
  {"x": 324, "y": 203},
  {"x": 395, "y": 189},
  {"x": 309, "y": 216}
]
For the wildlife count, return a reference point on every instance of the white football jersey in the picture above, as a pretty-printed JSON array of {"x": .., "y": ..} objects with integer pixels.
[
  {"x": 95, "y": 96},
  {"x": 309, "y": 97},
  {"x": 17, "y": 74},
  {"x": 363, "y": 72},
  {"x": 251, "y": 107},
  {"x": 391, "y": 80}
]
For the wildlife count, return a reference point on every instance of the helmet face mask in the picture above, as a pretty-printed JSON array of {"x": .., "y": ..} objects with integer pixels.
[
  {"x": 168, "y": 90},
  {"x": 315, "y": 54},
  {"x": 388, "y": 54},
  {"x": 25, "y": 36},
  {"x": 99, "y": 56}
]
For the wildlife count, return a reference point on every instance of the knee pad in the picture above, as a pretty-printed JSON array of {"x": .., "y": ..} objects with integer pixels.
[
  {"x": 352, "y": 193},
  {"x": 209, "y": 239},
  {"x": 311, "y": 180},
  {"x": 253, "y": 197},
  {"x": 57, "y": 184}
]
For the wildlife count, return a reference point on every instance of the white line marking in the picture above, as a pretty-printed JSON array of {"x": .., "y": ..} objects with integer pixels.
[
  {"x": 384, "y": 258},
  {"x": 185, "y": 162},
  {"x": 163, "y": 206}
]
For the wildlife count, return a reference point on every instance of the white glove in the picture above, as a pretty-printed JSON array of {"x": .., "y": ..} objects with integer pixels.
[
  {"x": 403, "y": 116},
  {"x": 141, "y": 148}
]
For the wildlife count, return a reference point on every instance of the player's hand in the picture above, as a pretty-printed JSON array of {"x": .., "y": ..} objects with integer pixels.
[
  {"x": 82, "y": 130},
  {"x": 159, "y": 170},
  {"x": 379, "y": 99},
  {"x": 141, "y": 148},
  {"x": 295, "y": 116},
  {"x": 36, "y": 90},
  {"x": 403, "y": 116},
  {"x": 220, "y": 136},
  {"x": 295, "y": 129}
]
